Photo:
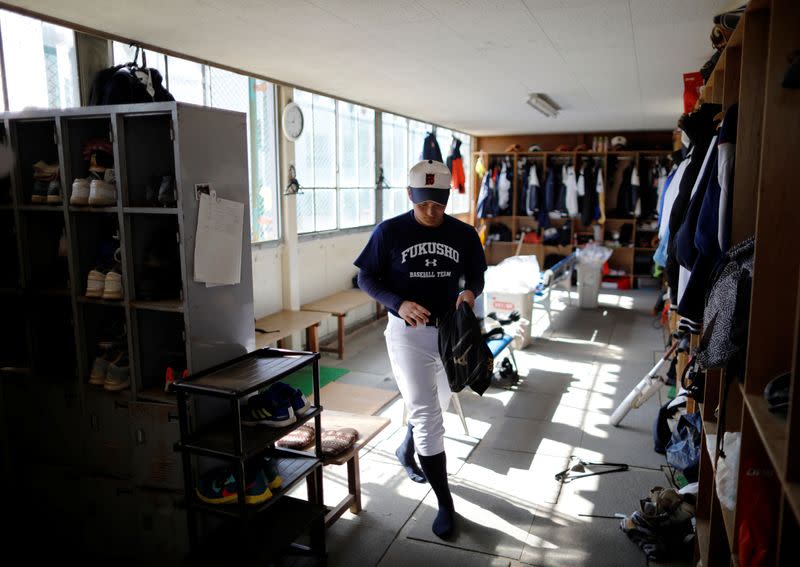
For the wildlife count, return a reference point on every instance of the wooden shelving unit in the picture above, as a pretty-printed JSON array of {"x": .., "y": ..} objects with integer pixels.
[
  {"x": 622, "y": 257},
  {"x": 750, "y": 72}
]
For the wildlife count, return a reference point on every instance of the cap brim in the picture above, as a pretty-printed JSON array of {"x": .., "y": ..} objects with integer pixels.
[{"x": 420, "y": 195}]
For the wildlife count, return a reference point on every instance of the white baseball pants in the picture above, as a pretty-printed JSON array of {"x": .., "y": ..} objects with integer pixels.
[{"x": 422, "y": 381}]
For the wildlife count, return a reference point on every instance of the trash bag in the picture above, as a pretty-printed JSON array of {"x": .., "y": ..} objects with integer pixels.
[
  {"x": 683, "y": 450},
  {"x": 517, "y": 274}
]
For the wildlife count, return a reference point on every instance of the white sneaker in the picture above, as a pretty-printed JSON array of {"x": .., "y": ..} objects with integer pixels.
[
  {"x": 102, "y": 193},
  {"x": 95, "y": 284},
  {"x": 113, "y": 285},
  {"x": 80, "y": 192}
]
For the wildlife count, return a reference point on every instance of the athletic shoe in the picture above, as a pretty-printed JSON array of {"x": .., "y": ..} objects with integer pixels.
[
  {"x": 54, "y": 192},
  {"x": 218, "y": 486},
  {"x": 97, "y": 376},
  {"x": 80, "y": 192},
  {"x": 118, "y": 376},
  {"x": 95, "y": 283},
  {"x": 283, "y": 393},
  {"x": 102, "y": 193},
  {"x": 112, "y": 288},
  {"x": 273, "y": 476},
  {"x": 261, "y": 411}
]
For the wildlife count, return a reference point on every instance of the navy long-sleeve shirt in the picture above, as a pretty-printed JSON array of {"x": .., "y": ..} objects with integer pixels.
[{"x": 407, "y": 261}]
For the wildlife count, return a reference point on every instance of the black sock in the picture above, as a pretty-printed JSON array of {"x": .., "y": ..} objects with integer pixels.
[
  {"x": 405, "y": 454},
  {"x": 435, "y": 468}
]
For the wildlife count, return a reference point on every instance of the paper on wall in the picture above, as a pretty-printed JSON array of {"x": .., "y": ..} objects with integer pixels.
[{"x": 218, "y": 242}]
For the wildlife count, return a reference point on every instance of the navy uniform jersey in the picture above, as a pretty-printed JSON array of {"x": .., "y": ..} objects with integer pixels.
[{"x": 424, "y": 264}]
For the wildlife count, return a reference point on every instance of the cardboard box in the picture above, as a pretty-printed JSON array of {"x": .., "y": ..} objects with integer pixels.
[{"x": 504, "y": 303}]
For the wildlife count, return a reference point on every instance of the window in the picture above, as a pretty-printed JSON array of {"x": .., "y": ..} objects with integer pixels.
[
  {"x": 41, "y": 68},
  {"x": 402, "y": 148},
  {"x": 201, "y": 84},
  {"x": 335, "y": 164}
]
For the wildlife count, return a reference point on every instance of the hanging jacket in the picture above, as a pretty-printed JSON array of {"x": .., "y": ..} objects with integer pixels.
[
  {"x": 634, "y": 204},
  {"x": 619, "y": 188},
  {"x": 560, "y": 191},
  {"x": 534, "y": 189},
  {"x": 699, "y": 128},
  {"x": 684, "y": 239},
  {"x": 456, "y": 166},
  {"x": 727, "y": 153},
  {"x": 504, "y": 189},
  {"x": 487, "y": 198},
  {"x": 430, "y": 149},
  {"x": 571, "y": 184},
  {"x": 549, "y": 198}
]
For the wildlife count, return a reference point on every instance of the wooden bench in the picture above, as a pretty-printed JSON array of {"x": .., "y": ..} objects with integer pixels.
[
  {"x": 339, "y": 304},
  {"x": 368, "y": 426},
  {"x": 283, "y": 324}
]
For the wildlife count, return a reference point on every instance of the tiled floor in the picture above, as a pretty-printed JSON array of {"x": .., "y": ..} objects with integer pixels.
[{"x": 511, "y": 509}]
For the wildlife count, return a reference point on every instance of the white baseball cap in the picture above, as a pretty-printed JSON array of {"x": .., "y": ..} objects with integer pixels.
[{"x": 429, "y": 180}]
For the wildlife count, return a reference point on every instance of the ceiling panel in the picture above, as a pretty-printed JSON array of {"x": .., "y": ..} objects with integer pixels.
[{"x": 465, "y": 64}]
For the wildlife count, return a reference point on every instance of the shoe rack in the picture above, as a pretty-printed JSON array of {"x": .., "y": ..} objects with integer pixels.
[
  {"x": 117, "y": 438},
  {"x": 214, "y": 434}
]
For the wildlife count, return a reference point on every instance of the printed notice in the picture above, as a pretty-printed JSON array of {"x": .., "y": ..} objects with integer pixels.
[{"x": 218, "y": 243}]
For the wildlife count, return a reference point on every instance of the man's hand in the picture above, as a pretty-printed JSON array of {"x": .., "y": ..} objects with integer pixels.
[
  {"x": 413, "y": 313},
  {"x": 467, "y": 296}
]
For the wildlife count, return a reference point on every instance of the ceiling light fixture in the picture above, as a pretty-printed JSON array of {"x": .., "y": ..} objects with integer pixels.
[{"x": 543, "y": 104}]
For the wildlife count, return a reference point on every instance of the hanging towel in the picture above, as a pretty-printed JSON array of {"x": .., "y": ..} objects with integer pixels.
[
  {"x": 533, "y": 191},
  {"x": 504, "y": 189},
  {"x": 635, "y": 202}
]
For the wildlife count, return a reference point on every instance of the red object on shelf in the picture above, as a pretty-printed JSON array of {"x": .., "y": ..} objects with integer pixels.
[{"x": 691, "y": 90}]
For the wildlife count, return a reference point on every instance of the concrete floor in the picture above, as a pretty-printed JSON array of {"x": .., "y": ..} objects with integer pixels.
[{"x": 511, "y": 510}]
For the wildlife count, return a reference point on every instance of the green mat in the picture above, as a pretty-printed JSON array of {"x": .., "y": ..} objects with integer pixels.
[{"x": 303, "y": 379}]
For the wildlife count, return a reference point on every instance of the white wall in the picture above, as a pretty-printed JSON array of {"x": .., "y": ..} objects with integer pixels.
[
  {"x": 267, "y": 280},
  {"x": 326, "y": 266}
]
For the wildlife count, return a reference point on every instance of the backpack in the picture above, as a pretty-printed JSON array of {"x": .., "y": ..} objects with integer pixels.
[
  {"x": 465, "y": 355},
  {"x": 128, "y": 84}
]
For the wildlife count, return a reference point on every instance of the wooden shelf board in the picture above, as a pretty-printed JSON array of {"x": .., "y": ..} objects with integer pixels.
[
  {"x": 729, "y": 519},
  {"x": 772, "y": 430},
  {"x": 703, "y": 538},
  {"x": 737, "y": 36},
  {"x": 643, "y": 249},
  {"x": 151, "y": 210},
  {"x": 169, "y": 305}
]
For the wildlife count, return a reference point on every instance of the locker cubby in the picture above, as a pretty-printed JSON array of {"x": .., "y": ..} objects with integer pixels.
[
  {"x": 101, "y": 323},
  {"x": 95, "y": 244},
  {"x": 163, "y": 345},
  {"x": 52, "y": 338},
  {"x": 47, "y": 270},
  {"x": 9, "y": 258},
  {"x": 78, "y": 131},
  {"x": 149, "y": 156},
  {"x": 153, "y": 240},
  {"x": 35, "y": 141}
]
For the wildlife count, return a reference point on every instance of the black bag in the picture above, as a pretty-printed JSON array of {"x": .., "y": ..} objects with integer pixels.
[
  {"x": 465, "y": 355},
  {"x": 128, "y": 84}
]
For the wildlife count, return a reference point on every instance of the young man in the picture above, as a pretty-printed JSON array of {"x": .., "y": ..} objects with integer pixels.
[{"x": 414, "y": 264}]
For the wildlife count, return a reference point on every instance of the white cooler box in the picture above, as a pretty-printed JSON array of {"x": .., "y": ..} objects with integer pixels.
[{"x": 504, "y": 303}]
